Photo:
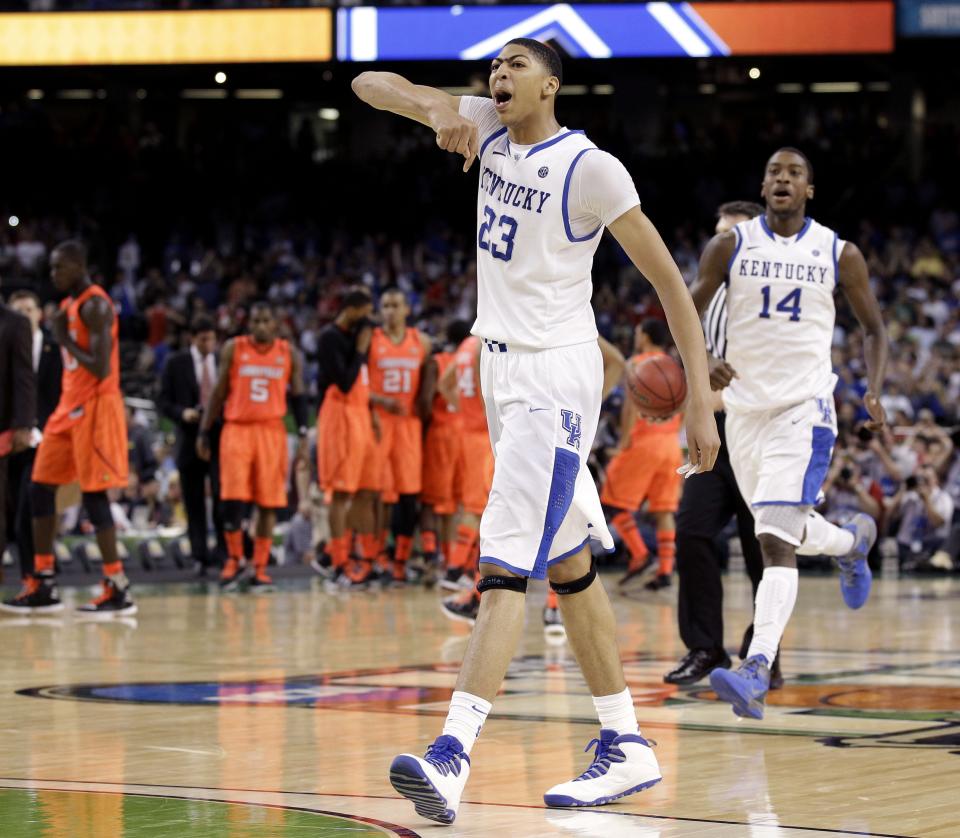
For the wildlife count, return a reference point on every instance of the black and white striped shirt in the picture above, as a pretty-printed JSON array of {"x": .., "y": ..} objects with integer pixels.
[{"x": 715, "y": 324}]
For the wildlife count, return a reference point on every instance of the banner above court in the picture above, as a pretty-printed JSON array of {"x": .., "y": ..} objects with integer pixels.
[{"x": 617, "y": 30}]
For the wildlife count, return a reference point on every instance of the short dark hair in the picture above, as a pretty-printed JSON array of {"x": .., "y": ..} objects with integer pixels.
[
  {"x": 806, "y": 160},
  {"x": 458, "y": 331},
  {"x": 750, "y": 209},
  {"x": 394, "y": 290},
  {"x": 202, "y": 323},
  {"x": 656, "y": 330},
  {"x": 25, "y": 294},
  {"x": 75, "y": 250},
  {"x": 544, "y": 53},
  {"x": 262, "y": 304},
  {"x": 355, "y": 296}
]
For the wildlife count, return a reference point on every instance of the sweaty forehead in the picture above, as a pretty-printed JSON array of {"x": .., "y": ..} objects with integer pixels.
[
  {"x": 511, "y": 51},
  {"x": 787, "y": 159}
]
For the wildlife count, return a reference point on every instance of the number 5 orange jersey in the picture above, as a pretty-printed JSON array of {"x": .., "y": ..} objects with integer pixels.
[{"x": 258, "y": 381}]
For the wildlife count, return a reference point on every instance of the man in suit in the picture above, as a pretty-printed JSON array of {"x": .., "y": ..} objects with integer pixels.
[
  {"x": 18, "y": 398},
  {"x": 188, "y": 380},
  {"x": 48, "y": 368}
]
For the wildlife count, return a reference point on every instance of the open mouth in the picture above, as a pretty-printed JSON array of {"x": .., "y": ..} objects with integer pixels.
[
  {"x": 781, "y": 193},
  {"x": 501, "y": 98}
]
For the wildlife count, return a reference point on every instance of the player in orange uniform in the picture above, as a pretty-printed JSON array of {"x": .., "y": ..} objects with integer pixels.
[
  {"x": 255, "y": 372},
  {"x": 401, "y": 394},
  {"x": 646, "y": 469},
  {"x": 85, "y": 439},
  {"x": 441, "y": 456}
]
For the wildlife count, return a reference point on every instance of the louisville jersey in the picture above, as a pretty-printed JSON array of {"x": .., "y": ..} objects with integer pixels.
[
  {"x": 395, "y": 367},
  {"x": 442, "y": 412},
  {"x": 472, "y": 412},
  {"x": 641, "y": 427},
  {"x": 780, "y": 315},
  {"x": 539, "y": 221},
  {"x": 79, "y": 385},
  {"x": 258, "y": 381}
]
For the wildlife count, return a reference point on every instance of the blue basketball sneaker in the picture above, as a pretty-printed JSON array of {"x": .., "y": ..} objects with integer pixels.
[
  {"x": 621, "y": 765},
  {"x": 435, "y": 781},
  {"x": 745, "y": 688},
  {"x": 855, "y": 575}
]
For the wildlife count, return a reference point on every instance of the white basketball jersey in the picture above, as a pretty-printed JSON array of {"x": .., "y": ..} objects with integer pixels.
[
  {"x": 780, "y": 315},
  {"x": 533, "y": 270}
]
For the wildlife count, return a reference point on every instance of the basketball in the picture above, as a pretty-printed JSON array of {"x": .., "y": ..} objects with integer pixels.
[{"x": 657, "y": 386}]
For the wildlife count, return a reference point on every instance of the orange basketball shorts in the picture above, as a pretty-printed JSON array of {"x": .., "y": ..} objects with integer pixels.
[
  {"x": 645, "y": 471},
  {"x": 90, "y": 448},
  {"x": 401, "y": 451},
  {"x": 441, "y": 454},
  {"x": 344, "y": 444},
  {"x": 253, "y": 463},
  {"x": 475, "y": 471}
]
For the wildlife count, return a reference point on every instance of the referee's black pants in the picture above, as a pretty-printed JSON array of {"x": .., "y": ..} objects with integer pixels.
[
  {"x": 708, "y": 502},
  {"x": 18, "y": 515}
]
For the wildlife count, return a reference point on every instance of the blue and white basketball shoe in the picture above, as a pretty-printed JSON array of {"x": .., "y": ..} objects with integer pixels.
[
  {"x": 745, "y": 688},
  {"x": 855, "y": 575},
  {"x": 435, "y": 781},
  {"x": 621, "y": 765}
]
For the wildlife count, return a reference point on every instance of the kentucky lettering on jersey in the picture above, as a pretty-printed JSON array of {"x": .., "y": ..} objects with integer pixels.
[
  {"x": 258, "y": 381},
  {"x": 780, "y": 315},
  {"x": 539, "y": 221}
]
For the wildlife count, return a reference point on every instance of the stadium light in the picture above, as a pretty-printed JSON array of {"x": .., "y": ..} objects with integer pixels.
[
  {"x": 754, "y": 73},
  {"x": 13, "y": 221},
  {"x": 34, "y": 93},
  {"x": 836, "y": 87},
  {"x": 220, "y": 77},
  {"x": 329, "y": 114}
]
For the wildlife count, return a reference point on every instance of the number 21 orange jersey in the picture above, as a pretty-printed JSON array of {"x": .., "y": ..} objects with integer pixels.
[
  {"x": 258, "y": 381},
  {"x": 395, "y": 367}
]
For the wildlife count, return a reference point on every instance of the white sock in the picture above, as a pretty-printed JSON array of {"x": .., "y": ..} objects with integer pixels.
[
  {"x": 825, "y": 539},
  {"x": 616, "y": 712},
  {"x": 465, "y": 718},
  {"x": 776, "y": 595}
]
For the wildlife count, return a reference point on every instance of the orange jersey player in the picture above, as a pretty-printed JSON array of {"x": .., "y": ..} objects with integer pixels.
[
  {"x": 85, "y": 438},
  {"x": 645, "y": 469},
  {"x": 255, "y": 372},
  {"x": 401, "y": 390}
]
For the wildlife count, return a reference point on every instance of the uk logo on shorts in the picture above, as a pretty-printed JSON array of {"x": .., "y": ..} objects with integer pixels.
[
  {"x": 825, "y": 406},
  {"x": 571, "y": 424}
]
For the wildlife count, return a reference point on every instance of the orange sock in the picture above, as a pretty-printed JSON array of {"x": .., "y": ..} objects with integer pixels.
[
  {"x": 428, "y": 541},
  {"x": 234, "y": 539},
  {"x": 460, "y": 555},
  {"x": 551, "y": 598},
  {"x": 43, "y": 564},
  {"x": 627, "y": 527},
  {"x": 666, "y": 551},
  {"x": 339, "y": 549},
  {"x": 369, "y": 547},
  {"x": 261, "y": 553},
  {"x": 112, "y": 568}
]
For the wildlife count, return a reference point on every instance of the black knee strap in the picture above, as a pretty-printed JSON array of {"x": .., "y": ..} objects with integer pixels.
[
  {"x": 43, "y": 500},
  {"x": 577, "y": 585},
  {"x": 232, "y": 514},
  {"x": 98, "y": 510},
  {"x": 503, "y": 583}
]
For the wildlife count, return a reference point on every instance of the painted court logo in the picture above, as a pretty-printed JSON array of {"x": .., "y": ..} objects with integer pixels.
[{"x": 571, "y": 424}]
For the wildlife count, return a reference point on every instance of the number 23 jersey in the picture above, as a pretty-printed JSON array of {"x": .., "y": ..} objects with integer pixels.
[
  {"x": 258, "y": 381},
  {"x": 780, "y": 315},
  {"x": 541, "y": 210}
]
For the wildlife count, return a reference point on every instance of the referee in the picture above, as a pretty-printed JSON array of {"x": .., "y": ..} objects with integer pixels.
[{"x": 707, "y": 504}]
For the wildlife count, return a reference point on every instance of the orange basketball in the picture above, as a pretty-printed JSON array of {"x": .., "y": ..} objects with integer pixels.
[{"x": 657, "y": 386}]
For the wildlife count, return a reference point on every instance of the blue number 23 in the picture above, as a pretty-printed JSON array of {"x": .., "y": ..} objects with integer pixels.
[{"x": 507, "y": 228}]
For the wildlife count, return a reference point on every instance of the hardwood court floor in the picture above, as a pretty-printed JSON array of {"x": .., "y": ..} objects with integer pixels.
[{"x": 238, "y": 717}]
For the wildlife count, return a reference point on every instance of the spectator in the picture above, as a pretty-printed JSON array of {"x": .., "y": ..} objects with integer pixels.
[{"x": 923, "y": 513}]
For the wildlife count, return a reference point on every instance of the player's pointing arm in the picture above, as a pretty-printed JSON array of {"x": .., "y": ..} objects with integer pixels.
[
  {"x": 642, "y": 243},
  {"x": 427, "y": 105}
]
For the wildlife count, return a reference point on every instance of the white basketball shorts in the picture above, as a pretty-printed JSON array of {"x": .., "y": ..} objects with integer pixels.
[
  {"x": 542, "y": 411},
  {"x": 780, "y": 457}
]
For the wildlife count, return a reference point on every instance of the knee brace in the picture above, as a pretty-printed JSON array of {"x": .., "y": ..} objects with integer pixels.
[
  {"x": 232, "y": 515},
  {"x": 405, "y": 515},
  {"x": 98, "y": 510},
  {"x": 784, "y": 522},
  {"x": 43, "y": 500},
  {"x": 577, "y": 585},
  {"x": 503, "y": 583}
]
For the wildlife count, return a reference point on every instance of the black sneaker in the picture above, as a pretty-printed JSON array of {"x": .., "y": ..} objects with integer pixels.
[
  {"x": 696, "y": 665},
  {"x": 454, "y": 579},
  {"x": 322, "y": 565},
  {"x": 659, "y": 582},
  {"x": 637, "y": 571},
  {"x": 553, "y": 623},
  {"x": 464, "y": 611},
  {"x": 37, "y": 596},
  {"x": 260, "y": 583},
  {"x": 231, "y": 575},
  {"x": 113, "y": 601}
]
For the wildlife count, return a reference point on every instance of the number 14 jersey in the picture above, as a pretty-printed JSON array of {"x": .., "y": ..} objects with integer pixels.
[
  {"x": 258, "y": 381},
  {"x": 780, "y": 315}
]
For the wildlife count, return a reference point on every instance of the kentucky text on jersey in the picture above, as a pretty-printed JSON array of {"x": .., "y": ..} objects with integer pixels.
[
  {"x": 512, "y": 194},
  {"x": 766, "y": 269}
]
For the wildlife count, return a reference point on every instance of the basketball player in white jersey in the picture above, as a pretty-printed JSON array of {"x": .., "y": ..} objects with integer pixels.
[
  {"x": 545, "y": 195},
  {"x": 782, "y": 270}
]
